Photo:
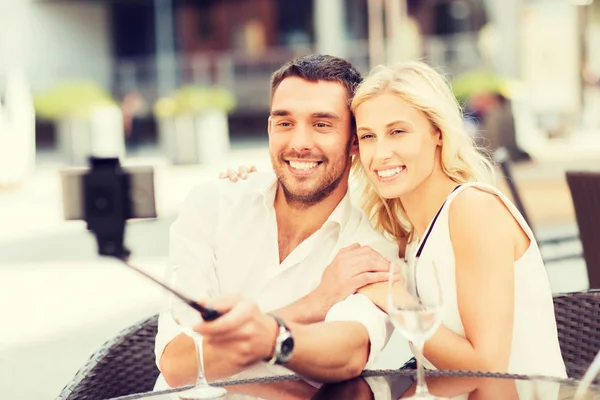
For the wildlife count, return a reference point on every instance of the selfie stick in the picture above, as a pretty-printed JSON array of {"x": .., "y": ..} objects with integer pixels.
[{"x": 107, "y": 207}]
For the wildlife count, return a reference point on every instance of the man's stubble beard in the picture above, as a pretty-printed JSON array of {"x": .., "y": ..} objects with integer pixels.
[{"x": 323, "y": 188}]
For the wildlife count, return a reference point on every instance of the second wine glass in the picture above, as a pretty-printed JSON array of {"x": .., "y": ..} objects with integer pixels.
[
  {"x": 415, "y": 314},
  {"x": 187, "y": 318}
]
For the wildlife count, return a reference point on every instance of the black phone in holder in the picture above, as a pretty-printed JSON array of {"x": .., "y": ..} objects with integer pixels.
[{"x": 106, "y": 193}]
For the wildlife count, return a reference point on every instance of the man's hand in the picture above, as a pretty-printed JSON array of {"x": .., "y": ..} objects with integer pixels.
[
  {"x": 325, "y": 352},
  {"x": 243, "y": 335},
  {"x": 354, "y": 266},
  {"x": 378, "y": 292}
]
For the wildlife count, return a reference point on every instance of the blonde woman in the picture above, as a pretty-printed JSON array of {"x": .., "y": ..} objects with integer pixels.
[{"x": 416, "y": 161}]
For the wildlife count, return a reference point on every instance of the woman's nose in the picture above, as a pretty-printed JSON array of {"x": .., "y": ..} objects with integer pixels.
[{"x": 383, "y": 150}]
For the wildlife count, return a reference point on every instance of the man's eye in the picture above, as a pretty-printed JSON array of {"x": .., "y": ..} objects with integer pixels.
[
  {"x": 284, "y": 124},
  {"x": 322, "y": 125}
]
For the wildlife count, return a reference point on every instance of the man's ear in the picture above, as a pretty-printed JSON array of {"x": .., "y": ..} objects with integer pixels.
[
  {"x": 269, "y": 125},
  {"x": 354, "y": 145}
]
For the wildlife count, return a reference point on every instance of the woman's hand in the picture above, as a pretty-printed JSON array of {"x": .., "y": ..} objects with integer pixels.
[{"x": 242, "y": 173}]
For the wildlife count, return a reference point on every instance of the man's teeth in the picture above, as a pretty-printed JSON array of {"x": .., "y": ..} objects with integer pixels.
[
  {"x": 303, "y": 165},
  {"x": 386, "y": 173}
]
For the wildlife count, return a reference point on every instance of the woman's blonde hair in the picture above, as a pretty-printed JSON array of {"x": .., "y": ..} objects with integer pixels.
[{"x": 428, "y": 91}]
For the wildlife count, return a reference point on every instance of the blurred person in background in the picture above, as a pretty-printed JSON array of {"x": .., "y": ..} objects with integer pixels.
[
  {"x": 290, "y": 243},
  {"x": 493, "y": 112},
  {"x": 132, "y": 107}
]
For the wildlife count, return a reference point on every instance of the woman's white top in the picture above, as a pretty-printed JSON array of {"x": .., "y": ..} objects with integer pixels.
[{"x": 535, "y": 348}]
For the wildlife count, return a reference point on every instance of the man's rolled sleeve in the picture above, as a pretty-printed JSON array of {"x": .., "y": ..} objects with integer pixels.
[
  {"x": 167, "y": 331},
  {"x": 359, "y": 308}
]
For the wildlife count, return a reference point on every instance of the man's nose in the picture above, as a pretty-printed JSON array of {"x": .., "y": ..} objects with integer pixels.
[{"x": 302, "y": 139}]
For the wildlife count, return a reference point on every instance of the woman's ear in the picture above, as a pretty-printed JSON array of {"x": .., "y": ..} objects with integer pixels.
[{"x": 439, "y": 137}]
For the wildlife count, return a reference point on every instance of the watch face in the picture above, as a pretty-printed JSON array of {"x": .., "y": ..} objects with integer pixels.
[{"x": 287, "y": 346}]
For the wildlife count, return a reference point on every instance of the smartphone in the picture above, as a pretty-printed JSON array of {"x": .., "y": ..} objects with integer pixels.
[{"x": 141, "y": 178}]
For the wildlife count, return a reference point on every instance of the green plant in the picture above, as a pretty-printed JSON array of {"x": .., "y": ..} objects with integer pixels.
[
  {"x": 71, "y": 99},
  {"x": 478, "y": 81},
  {"x": 195, "y": 100}
]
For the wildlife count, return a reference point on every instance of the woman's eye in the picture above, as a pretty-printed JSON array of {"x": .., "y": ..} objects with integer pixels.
[
  {"x": 397, "y": 131},
  {"x": 366, "y": 136}
]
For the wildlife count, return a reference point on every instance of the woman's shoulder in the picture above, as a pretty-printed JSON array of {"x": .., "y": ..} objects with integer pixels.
[
  {"x": 479, "y": 206},
  {"x": 477, "y": 197},
  {"x": 481, "y": 229}
]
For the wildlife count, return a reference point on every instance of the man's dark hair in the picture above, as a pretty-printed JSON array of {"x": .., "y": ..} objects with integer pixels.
[{"x": 319, "y": 67}]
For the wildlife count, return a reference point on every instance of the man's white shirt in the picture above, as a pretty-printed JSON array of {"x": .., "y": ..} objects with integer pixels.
[{"x": 226, "y": 241}]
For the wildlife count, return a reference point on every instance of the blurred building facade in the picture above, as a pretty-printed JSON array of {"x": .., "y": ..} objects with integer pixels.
[
  {"x": 154, "y": 46},
  {"x": 115, "y": 42},
  {"x": 238, "y": 43}
]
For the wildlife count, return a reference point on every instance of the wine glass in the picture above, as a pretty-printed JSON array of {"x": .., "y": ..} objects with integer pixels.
[
  {"x": 187, "y": 317},
  {"x": 588, "y": 379},
  {"x": 415, "y": 314}
]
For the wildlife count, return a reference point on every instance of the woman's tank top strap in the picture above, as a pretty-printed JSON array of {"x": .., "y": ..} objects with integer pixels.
[
  {"x": 432, "y": 224},
  {"x": 493, "y": 190}
]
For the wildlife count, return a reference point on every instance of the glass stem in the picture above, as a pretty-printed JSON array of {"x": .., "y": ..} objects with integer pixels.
[
  {"x": 200, "y": 379},
  {"x": 421, "y": 384}
]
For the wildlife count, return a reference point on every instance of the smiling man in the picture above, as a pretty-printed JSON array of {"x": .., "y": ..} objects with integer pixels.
[
  {"x": 310, "y": 150},
  {"x": 291, "y": 244}
]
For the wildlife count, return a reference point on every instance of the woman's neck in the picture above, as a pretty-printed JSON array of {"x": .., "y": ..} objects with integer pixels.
[{"x": 424, "y": 201}]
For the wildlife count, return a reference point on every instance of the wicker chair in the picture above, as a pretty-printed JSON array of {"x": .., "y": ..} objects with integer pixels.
[
  {"x": 585, "y": 192},
  {"x": 124, "y": 365},
  {"x": 578, "y": 321}
]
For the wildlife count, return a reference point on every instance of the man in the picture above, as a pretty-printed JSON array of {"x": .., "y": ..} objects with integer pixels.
[{"x": 291, "y": 244}]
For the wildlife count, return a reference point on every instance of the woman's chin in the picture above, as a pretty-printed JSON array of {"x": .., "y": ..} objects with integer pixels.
[
  {"x": 389, "y": 188},
  {"x": 390, "y": 193}
]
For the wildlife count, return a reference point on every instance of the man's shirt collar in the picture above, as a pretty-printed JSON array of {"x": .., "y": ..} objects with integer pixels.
[{"x": 340, "y": 215}]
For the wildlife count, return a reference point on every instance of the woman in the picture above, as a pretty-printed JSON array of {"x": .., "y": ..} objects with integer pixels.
[
  {"x": 416, "y": 161},
  {"x": 414, "y": 153}
]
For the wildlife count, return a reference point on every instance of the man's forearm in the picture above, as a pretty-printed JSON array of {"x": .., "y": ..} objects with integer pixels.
[
  {"x": 179, "y": 363},
  {"x": 329, "y": 352},
  {"x": 306, "y": 310}
]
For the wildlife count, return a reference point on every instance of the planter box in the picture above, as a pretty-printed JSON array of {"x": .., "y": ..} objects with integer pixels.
[
  {"x": 101, "y": 135},
  {"x": 195, "y": 139}
]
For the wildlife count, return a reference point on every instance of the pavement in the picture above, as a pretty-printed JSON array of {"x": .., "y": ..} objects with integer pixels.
[{"x": 59, "y": 301}]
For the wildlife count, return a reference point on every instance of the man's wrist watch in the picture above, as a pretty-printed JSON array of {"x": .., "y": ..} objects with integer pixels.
[{"x": 284, "y": 343}]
